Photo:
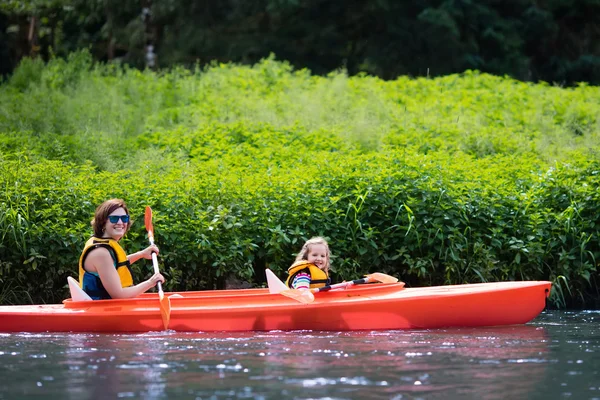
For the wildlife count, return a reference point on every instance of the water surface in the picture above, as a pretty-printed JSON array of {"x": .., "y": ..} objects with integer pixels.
[{"x": 556, "y": 356}]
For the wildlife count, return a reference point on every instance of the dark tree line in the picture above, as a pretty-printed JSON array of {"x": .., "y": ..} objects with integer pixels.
[{"x": 549, "y": 40}]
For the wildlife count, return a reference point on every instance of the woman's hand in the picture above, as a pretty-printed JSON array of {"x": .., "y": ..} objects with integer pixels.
[
  {"x": 147, "y": 252},
  {"x": 157, "y": 277}
]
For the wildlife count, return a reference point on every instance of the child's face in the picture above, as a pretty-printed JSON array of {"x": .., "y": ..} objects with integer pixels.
[{"x": 317, "y": 254}]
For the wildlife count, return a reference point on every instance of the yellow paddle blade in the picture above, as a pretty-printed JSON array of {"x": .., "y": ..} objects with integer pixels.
[
  {"x": 165, "y": 302},
  {"x": 380, "y": 277},
  {"x": 148, "y": 223},
  {"x": 303, "y": 296},
  {"x": 165, "y": 309}
]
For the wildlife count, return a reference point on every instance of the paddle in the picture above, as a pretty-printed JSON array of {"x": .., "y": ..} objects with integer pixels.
[
  {"x": 306, "y": 296},
  {"x": 165, "y": 302}
]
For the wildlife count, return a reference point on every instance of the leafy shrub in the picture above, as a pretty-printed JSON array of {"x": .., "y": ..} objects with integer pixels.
[{"x": 468, "y": 178}]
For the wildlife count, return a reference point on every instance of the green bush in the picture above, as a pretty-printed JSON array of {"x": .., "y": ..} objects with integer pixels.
[{"x": 468, "y": 178}]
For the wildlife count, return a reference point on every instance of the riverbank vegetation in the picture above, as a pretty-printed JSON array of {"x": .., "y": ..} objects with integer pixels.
[
  {"x": 461, "y": 178},
  {"x": 552, "y": 41}
]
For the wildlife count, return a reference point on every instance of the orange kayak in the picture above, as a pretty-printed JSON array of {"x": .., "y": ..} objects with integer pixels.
[{"x": 379, "y": 306}]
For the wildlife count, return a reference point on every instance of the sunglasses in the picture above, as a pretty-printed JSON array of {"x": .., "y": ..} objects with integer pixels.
[{"x": 115, "y": 218}]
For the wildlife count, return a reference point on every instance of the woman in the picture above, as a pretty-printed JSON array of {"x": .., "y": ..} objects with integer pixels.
[{"x": 104, "y": 266}]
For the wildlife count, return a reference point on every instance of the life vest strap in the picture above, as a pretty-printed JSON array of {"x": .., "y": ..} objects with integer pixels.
[{"x": 112, "y": 253}]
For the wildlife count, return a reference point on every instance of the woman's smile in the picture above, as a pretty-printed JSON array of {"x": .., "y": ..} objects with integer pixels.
[{"x": 117, "y": 229}]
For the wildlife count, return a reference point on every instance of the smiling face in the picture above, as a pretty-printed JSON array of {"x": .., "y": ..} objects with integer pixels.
[
  {"x": 317, "y": 254},
  {"x": 101, "y": 224},
  {"x": 117, "y": 229}
]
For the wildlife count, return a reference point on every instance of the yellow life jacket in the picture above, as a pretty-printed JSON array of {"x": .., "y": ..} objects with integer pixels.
[
  {"x": 90, "y": 282},
  {"x": 318, "y": 277}
]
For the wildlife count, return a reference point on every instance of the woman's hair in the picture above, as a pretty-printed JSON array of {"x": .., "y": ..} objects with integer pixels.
[
  {"x": 102, "y": 213},
  {"x": 303, "y": 255}
]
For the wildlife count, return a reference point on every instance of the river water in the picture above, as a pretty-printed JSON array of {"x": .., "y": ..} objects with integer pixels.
[{"x": 556, "y": 356}]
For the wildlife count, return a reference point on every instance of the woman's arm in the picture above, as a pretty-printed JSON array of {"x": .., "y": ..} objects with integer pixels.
[
  {"x": 99, "y": 260},
  {"x": 146, "y": 253}
]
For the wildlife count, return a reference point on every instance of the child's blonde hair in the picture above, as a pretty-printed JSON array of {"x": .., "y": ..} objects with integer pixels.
[{"x": 303, "y": 255}]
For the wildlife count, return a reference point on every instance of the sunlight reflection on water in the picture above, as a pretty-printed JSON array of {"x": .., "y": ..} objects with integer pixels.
[{"x": 553, "y": 357}]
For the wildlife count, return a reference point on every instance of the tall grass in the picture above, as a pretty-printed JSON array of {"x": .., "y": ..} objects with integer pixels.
[{"x": 89, "y": 108}]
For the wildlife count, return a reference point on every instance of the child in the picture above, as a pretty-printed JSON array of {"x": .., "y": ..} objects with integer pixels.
[{"x": 311, "y": 268}]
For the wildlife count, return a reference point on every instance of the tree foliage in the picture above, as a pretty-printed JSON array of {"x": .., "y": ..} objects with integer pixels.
[{"x": 553, "y": 40}]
